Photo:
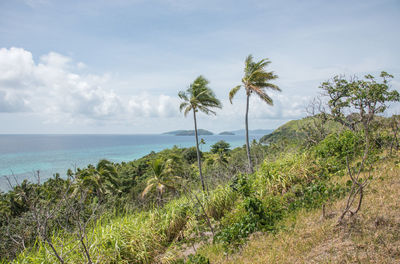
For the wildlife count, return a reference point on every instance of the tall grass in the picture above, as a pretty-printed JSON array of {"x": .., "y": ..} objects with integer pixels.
[{"x": 133, "y": 238}]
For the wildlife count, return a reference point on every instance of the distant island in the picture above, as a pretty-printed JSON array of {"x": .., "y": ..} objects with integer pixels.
[
  {"x": 204, "y": 132},
  {"x": 227, "y": 133},
  {"x": 200, "y": 132},
  {"x": 253, "y": 131}
]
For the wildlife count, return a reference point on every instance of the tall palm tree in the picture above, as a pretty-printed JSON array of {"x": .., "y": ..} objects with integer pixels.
[
  {"x": 198, "y": 97},
  {"x": 256, "y": 80}
]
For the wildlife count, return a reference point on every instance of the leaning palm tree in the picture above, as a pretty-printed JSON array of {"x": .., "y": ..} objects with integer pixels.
[
  {"x": 198, "y": 97},
  {"x": 256, "y": 80}
]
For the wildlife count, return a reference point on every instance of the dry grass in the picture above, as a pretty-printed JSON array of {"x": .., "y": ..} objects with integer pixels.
[{"x": 373, "y": 236}]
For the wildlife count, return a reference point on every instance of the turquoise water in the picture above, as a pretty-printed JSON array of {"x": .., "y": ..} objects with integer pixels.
[{"x": 21, "y": 155}]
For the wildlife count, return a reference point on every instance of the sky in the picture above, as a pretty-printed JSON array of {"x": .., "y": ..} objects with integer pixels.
[{"x": 116, "y": 66}]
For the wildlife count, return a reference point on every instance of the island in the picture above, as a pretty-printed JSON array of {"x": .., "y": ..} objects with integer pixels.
[
  {"x": 200, "y": 132},
  {"x": 227, "y": 133}
]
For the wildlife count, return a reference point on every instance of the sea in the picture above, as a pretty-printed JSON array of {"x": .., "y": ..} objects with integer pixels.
[{"x": 21, "y": 156}]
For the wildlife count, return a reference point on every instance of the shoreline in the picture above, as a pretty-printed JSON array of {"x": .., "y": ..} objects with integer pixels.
[{"x": 52, "y": 161}]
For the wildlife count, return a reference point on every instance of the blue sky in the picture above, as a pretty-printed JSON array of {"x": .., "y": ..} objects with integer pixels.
[{"x": 117, "y": 66}]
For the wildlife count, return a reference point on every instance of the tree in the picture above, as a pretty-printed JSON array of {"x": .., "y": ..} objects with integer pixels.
[
  {"x": 161, "y": 179},
  {"x": 355, "y": 104},
  {"x": 198, "y": 97},
  {"x": 220, "y": 146},
  {"x": 103, "y": 180},
  {"x": 256, "y": 80}
]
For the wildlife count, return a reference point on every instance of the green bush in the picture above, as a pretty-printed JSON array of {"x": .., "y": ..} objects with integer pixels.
[
  {"x": 197, "y": 259},
  {"x": 190, "y": 155},
  {"x": 260, "y": 215},
  {"x": 241, "y": 184},
  {"x": 333, "y": 151}
]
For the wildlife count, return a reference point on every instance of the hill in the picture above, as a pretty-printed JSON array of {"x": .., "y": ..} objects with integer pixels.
[
  {"x": 285, "y": 212},
  {"x": 294, "y": 131},
  {"x": 252, "y": 132},
  {"x": 200, "y": 132},
  {"x": 227, "y": 133},
  {"x": 174, "y": 132},
  {"x": 371, "y": 237}
]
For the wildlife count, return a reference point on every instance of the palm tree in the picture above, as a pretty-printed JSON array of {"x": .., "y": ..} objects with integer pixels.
[
  {"x": 256, "y": 80},
  {"x": 198, "y": 97},
  {"x": 161, "y": 179},
  {"x": 102, "y": 179}
]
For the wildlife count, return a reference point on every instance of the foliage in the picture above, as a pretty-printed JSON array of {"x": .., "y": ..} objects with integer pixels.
[
  {"x": 367, "y": 96},
  {"x": 355, "y": 104},
  {"x": 255, "y": 80},
  {"x": 190, "y": 155},
  {"x": 336, "y": 149},
  {"x": 220, "y": 147},
  {"x": 197, "y": 259},
  {"x": 198, "y": 97},
  {"x": 129, "y": 229}
]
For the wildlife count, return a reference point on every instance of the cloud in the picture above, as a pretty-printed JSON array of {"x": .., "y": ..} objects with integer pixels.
[
  {"x": 61, "y": 91},
  {"x": 10, "y": 103},
  {"x": 153, "y": 106},
  {"x": 52, "y": 88},
  {"x": 285, "y": 107}
]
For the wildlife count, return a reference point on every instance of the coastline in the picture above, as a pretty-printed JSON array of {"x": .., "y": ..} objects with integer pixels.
[{"x": 58, "y": 153}]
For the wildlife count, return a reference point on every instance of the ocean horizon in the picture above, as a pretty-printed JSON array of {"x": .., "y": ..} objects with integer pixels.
[{"x": 21, "y": 155}]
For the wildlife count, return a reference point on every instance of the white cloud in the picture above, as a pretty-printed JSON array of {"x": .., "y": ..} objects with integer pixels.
[
  {"x": 52, "y": 88},
  {"x": 285, "y": 107},
  {"x": 56, "y": 89},
  {"x": 146, "y": 105}
]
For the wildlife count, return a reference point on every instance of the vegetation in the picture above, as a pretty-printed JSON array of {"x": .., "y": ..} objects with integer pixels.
[
  {"x": 155, "y": 210},
  {"x": 198, "y": 97},
  {"x": 256, "y": 79}
]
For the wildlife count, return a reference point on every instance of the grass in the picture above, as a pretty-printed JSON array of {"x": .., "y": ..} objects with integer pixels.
[
  {"x": 373, "y": 236},
  {"x": 289, "y": 190}
]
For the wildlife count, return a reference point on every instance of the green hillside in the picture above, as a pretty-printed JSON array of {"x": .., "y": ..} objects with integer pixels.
[
  {"x": 295, "y": 131},
  {"x": 114, "y": 213}
]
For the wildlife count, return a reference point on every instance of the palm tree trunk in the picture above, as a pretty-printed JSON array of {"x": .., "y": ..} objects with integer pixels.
[
  {"x": 250, "y": 170},
  {"x": 198, "y": 151}
]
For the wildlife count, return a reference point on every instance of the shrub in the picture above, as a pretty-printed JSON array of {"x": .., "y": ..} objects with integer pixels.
[
  {"x": 220, "y": 201},
  {"x": 241, "y": 184},
  {"x": 190, "y": 155},
  {"x": 197, "y": 259},
  {"x": 336, "y": 148},
  {"x": 220, "y": 147}
]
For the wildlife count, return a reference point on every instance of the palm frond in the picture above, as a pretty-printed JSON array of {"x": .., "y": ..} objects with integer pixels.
[
  {"x": 271, "y": 86},
  {"x": 183, "y": 96},
  {"x": 161, "y": 187},
  {"x": 199, "y": 97},
  {"x": 248, "y": 64},
  {"x": 265, "y": 97},
  {"x": 183, "y": 105},
  {"x": 147, "y": 189},
  {"x": 187, "y": 110},
  {"x": 206, "y": 110},
  {"x": 233, "y": 92}
]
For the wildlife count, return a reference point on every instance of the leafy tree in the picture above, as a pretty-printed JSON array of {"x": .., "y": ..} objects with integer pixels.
[
  {"x": 190, "y": 155},
  {"x": 255, "y": 80},
  {"x": 220, "y": 146},
  {"x": 355, "y": 104},
  {"x": 198, "y": 97}
]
